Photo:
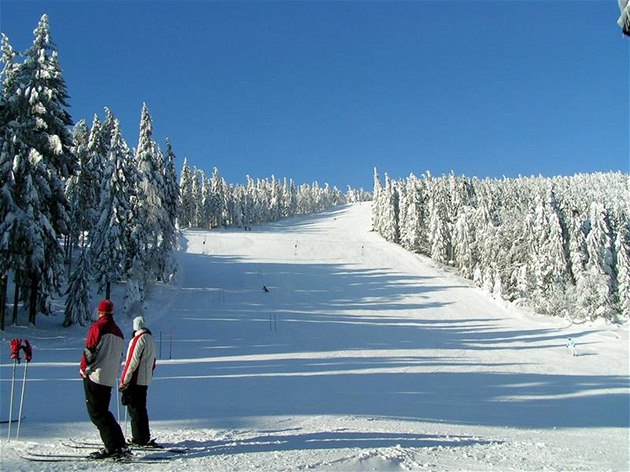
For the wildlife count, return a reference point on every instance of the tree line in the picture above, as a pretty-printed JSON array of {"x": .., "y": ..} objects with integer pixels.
[
  {"x": 210, "y": 202},
  {"x": 558, "y": 245}
]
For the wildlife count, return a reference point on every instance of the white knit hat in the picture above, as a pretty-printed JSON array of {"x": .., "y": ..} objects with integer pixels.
[{"x": 138, "y": 323}]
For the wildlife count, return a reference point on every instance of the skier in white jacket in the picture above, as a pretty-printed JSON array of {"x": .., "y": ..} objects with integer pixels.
[{"x": 135, "y": 380}]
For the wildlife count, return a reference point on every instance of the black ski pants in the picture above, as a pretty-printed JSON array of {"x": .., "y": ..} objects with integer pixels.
[
  {"x": 137, "y": 409},
  {"x": 97, "y": 399}
]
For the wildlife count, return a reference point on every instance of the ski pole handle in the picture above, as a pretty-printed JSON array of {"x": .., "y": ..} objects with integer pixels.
[
  {"x": 16, "y": 345},
  {"x": 28, "y": 350}
]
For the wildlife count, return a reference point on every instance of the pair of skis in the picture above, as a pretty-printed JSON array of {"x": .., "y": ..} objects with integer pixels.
[
  {"x": 170, "y": 453},
  {"x": 151, "y": 446},
  {"x": 35, "y": 457}
]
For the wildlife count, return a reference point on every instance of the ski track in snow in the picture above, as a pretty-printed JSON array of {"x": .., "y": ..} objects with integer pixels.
[{"x": 361, "y": 356}]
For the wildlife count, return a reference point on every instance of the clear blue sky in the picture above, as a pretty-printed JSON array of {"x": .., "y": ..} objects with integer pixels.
[{"x": 327, "y": 90}]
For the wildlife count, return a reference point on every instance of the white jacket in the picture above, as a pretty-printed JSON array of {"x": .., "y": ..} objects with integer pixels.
[{"x": 140, "y": 361}]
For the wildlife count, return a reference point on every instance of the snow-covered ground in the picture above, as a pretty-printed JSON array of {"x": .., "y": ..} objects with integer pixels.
[{"x": 361, "y": 356}]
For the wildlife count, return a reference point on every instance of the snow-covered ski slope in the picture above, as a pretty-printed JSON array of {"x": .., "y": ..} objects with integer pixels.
[{"x": 361, "y": 356}]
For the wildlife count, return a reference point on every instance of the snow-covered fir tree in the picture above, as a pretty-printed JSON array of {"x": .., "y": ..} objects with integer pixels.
[
  {"x": 7, "y": 183},
  {"x": 439, "y": 226},
  {"x": 9, "y": 70},
  {"x": 186, "y": 200},
  {"x": 171, "y": 205},
  {"x": 389, "y": 216},
  {"x": 578, "y": 254},
  {"x": 78, "y": 186},
  {"x": 108, "y": 247},
  {"x": 411, "y": 213},
  {"x": 207, "y": 210},
  {"x": 548, "y": 256},
  {"x": 92, "y": 170},
  {"x": 77, "y": 309},
  {"x": 290, "y": 200},
  {"x": 376, "y": 202},
  {"x": 463, "y": 242},
  {"x": 248, "y": 202},
  {"x": 306, "y": 200},
  {"x": 596, "y": 287},
  {"x": 148, "y": 209},
  {"x": 215, "y": 200},
  {"x": 35, "y": 124},
  {"x": 275, "y": 200},
  {"x": 197, "y": 197}
]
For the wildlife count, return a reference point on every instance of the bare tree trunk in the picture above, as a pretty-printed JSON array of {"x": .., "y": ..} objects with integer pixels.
[
  {"x": 69, "y": 256},
  {"x": 16, "y": 300},
  {"x": 32, "y": 312},
  {"x": 66, "y": 245}
]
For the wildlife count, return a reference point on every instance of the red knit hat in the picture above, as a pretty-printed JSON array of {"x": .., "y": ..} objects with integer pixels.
[{"x": 106, "y": 306}]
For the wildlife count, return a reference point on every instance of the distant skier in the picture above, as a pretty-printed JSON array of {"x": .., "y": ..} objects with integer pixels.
[
  {"x": 135, "y": 380},
  {"x": 624, "y": 17},
  {"x": 572, "y": 347}
]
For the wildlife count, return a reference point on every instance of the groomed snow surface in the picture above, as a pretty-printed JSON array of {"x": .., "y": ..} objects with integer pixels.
[{"x": 361, "y": 356}]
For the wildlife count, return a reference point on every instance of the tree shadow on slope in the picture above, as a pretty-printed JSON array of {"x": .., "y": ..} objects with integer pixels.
[
  {"x": 297, "y": 440},
  {"x": 357, "y": 308},
  {"x": 332, "y": 340},
  {"x": 306, "y": 300},
  {"x": 460, "y": 397}
]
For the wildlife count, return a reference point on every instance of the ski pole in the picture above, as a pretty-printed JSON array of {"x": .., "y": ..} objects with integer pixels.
[
  {"x": 28, "y": 355},
  {"x": 15, "y": 355},
  {"x": 15, "y": 362},
  {"x": 118, "y": 395},
  {"x": 118, "y": 400},
  {"x": 19, "y": 419}
]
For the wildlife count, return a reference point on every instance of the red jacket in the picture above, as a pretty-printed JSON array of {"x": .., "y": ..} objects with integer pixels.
[{"x": 103, "y": 352}]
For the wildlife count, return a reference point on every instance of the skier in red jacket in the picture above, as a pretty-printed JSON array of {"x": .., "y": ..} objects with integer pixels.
[
  {"x": 135, "y": 380},
  {"x": 99, "y": 369}
]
